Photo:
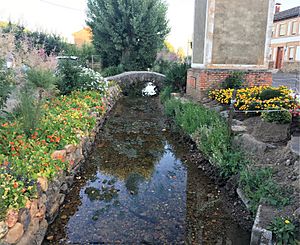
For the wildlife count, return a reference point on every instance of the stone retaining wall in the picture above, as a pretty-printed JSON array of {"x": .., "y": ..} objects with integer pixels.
[{"x": 28, "y": 225}]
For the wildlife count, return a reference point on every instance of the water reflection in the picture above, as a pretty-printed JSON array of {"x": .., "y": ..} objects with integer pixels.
[{"x": 138, "y": 189}]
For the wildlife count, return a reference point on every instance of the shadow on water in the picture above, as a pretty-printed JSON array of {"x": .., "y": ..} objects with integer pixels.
[{"x": 135, "y": 189}]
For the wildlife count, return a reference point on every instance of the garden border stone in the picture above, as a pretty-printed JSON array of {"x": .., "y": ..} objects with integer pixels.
[
  {"x": 32, "y": 221},
  {"x": 259, "y": 234}
]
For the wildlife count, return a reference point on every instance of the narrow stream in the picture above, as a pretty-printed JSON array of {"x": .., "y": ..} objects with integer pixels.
[{"x": 136, "y": 189}]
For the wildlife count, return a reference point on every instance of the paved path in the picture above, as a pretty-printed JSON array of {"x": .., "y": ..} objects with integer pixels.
[{"x": 292, "y": 80}]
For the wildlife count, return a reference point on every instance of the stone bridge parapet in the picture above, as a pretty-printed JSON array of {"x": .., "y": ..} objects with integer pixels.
[{"x": 126, "y": 79}]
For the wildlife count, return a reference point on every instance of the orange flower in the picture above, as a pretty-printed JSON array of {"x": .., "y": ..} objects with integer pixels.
[{"x": 16, "y": 185}]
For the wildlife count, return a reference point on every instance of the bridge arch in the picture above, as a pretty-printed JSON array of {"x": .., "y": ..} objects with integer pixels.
[{"x": 127, "y": 80}]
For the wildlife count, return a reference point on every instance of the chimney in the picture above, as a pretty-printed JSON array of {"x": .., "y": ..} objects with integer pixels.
[{"x": 277, "y": 7}]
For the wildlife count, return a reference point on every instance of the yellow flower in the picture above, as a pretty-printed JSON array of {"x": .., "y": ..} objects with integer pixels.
[{"x": 287, "y": 221}]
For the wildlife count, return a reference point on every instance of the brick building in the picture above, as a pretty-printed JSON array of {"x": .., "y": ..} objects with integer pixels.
[
  {"x": 285, "y": 43},
  {"x": 230, "y": 35}
]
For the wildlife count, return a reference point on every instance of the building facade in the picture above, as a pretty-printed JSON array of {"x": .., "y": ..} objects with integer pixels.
[
  {"x": 230, "y": 35},
  {"x": 83, "y": 36},
  {"x": 285, "y": 43}
]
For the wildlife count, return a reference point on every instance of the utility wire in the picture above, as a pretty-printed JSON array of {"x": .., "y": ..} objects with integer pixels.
[{"x": 61, "y": 6}]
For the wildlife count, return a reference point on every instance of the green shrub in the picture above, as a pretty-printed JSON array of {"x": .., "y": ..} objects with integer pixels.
[
  {"x": 258, "y": 185},
  {"x": 284, "y": 231},
  {"x": 40, "y": 78},
  {"x": 165, "y": 94},
  {"x": 92, "y": 80},
  {"x": 234, "y": 81},
  {"x": 69, "y": 74},
  {"x": 5, "y": 90},
  {"x": 172, "y": 107},
  {"x": 6, "y": 83},
  {"x": 280, "y": 117},
  {"x": 269, "y": 93},
  {"x": 232, "y": 162},
  {"x": 28, "y": 111},
  {"x": 213, "y": 141},
  {"x": 162, "y": 66},
  {"x": 194, "y": 116},
  {"x": 176, "y": 76},
  {"x": 112, "y": 71}
]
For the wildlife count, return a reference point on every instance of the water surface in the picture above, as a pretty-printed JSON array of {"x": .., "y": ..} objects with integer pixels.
[{"x": 137, "y": 189}]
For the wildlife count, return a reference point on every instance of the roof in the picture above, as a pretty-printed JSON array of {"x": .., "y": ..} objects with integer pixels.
[{"x": 287, "y": 14}]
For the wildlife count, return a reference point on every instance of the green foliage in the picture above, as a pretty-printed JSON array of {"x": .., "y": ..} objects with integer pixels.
[
  {"x": 213, "y": 139},
  {"x": 234, "y": 81},
  {"x": 41, "y": 78},
  {"x": 84, "y": 53},
  {"x": 284, "y": 231},
  {"x": 28, "y": 111},
  {"x": 128, "y": 32},
  {"x": 165, "y": 94},
  {"x": 232, "y": 162},
  {"x": 280, "y": 117},
  {"x": 258, "y": 185},
  {"x": 112, "y": 71},
  {"x": 176, "y": 76},
  {"x": 6, "y": 83},
  {"x": 210, "y": 132},
  {"x": 69, "y": 77},
  {"x": 92, "y": 80},
  {"x": 172, "y": 107},
  {"x": 162, "y": 66},
  {"x": 51, "y": 43},
  {"x": 269, "y": 93}
]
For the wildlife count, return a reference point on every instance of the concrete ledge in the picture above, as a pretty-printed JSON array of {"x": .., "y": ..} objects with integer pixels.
[
  {"x": 259, "y": 235},
  {"x": 244, "y": 199}
]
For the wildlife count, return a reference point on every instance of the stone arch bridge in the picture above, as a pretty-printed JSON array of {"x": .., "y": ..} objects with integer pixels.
[{"x": 127, "y": 80}]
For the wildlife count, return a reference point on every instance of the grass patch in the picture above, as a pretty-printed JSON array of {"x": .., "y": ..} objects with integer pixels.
[{"x": 258, "y": 185}]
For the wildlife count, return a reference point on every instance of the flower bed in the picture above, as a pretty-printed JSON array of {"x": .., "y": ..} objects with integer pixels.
[
  {"x": 23, "y": 160},
  {"x": 256, "y": 98},
  {"x": 38, "y": 172}
]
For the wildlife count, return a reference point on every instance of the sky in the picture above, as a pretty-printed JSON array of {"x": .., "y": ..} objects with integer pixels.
[{"x": 64, "y": 17}]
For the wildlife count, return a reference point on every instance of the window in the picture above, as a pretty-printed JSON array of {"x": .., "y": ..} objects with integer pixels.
[
  {"x": 291, "y": 53},
  {"x": 294, "y": 28},
  {"x": 282, "y": 29},
  {"x": 273, "y": 31}
]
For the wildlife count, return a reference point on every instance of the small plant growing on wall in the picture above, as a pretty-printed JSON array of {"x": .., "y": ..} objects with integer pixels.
[
  {"x": 234, "y": 81},
  {"x": 284, "y": 231},
  {"x": 277, "y": 116}
]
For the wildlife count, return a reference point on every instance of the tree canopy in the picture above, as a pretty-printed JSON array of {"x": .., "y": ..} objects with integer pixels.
[{"x": 128, "y": 32}]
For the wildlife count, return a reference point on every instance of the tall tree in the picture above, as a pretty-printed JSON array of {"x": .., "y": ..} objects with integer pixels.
[{"x": 128, "y": 32}]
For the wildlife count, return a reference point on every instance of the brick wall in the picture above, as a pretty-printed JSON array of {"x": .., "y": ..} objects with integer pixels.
[{"x": 199, "y": 81}]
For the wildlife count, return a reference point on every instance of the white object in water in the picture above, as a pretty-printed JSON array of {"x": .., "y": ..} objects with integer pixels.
[{"x": 149, "y": 89}]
